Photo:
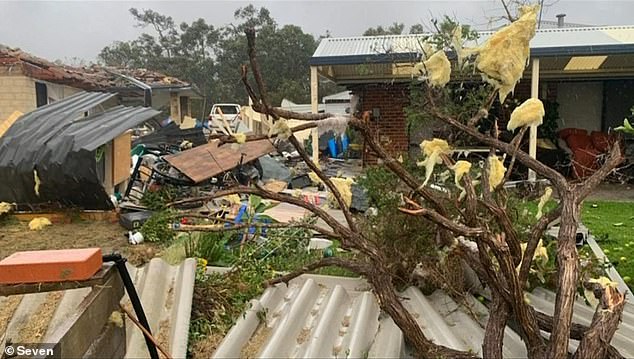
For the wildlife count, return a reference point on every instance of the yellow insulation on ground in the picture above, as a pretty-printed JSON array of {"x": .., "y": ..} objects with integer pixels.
[
  {"x": 39, "y": 223},
  {"x": 344, "y": 186}
]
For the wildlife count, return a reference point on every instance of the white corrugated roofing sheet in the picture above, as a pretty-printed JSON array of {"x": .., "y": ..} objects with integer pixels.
[
  {"x": 547, "y": 42},
  {"x": 328, "y": 317},
  {"x": 166, "y": 293}
]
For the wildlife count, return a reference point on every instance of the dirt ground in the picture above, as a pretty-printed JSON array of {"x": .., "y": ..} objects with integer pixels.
[{"x": 16, "y": 236}]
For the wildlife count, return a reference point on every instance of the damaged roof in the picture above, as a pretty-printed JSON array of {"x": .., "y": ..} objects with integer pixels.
[
  {"x": 59, "y": 142},
  {"x": 94, "y": 77},
  {"x": 328, "y": 317}
]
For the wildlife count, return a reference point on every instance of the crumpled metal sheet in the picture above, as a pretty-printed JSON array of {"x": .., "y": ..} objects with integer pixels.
[{"x": 62, "y": 145}]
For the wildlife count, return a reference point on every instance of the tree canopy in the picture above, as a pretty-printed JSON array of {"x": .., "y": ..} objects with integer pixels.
[{"x": 210, "y": 57}]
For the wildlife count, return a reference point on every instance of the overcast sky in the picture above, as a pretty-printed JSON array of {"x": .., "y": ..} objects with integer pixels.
[{"x": 80, "y": 29}]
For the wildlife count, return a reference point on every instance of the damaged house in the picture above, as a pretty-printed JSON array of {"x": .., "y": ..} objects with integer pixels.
[
  {"x": 585, "y": 72},
  {"x": 28, "y": 82},
  {"x": 73, "y": 152}
]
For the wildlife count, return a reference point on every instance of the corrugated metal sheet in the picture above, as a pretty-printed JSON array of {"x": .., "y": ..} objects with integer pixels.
[
  {"x": 327, "y": 317},
  {"x": 59, "y": 141},
  {"x": 165, "y": 291},
  {"x": 547, "y": 42}
]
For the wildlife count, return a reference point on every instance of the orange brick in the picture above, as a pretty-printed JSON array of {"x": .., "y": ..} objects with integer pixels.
[{"x": 50, "y": 266}]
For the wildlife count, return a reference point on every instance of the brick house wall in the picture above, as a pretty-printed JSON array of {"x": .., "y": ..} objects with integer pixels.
[
  {"x": 390, "y": 128},
  {"x": 17, "y": 93}
]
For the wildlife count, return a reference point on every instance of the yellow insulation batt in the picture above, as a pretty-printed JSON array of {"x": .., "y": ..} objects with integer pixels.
[
  {"x": 529, "y": 113},
  {"x": 281, "y": 129},
  {"x": 504, "y": 55},
  {"x": 5, "y": 207},
  {"x": 542, "y": 201},
  {"x": 344, "y": 186},
  {"x": 438, "y": 69},
  {"x": 461, "y": 168},
  {"x": 39, "y": 223},
  {"x": 432, "y": 150},
  {"x": 496, "y": 172}
]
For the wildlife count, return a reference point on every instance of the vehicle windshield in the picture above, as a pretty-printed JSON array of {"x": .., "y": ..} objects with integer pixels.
[{"x": 226, "y": 110}]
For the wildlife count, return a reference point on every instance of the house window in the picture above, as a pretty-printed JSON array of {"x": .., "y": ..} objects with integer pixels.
[{"x": 41, "y": 94}]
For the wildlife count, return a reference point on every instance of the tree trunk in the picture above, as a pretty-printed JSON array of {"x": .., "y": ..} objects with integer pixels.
[
  {"x": 386, "y": 293},
  {"x": 568, "y": 274},
  {"x": 596, "y": 341},
  {"x": 494, "y": 334}
]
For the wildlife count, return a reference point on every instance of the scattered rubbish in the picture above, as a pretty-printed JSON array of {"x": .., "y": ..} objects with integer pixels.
[
  {"x": 134, "y": 220},
  {"x": 37, "y": 224},
  {"x": 301, "y": 181},
  {"x": 319, "y": 243},
  {"x": 344, "y": 186},
  {"x": 135, "y": 237},
  {"x": 272, "y": 169},
  {"x": 360, "y": 201},
  {"x": 204, "y": 162}
]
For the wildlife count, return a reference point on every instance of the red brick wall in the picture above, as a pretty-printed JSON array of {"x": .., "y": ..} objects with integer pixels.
[{"x": 391, "y": 128}]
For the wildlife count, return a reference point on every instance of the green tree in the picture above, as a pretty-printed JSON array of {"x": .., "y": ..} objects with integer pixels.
[
  {"x": 211, "y": 57},
  {"x": 394, "y": 29},
  {"x": 417, "y": 29}
]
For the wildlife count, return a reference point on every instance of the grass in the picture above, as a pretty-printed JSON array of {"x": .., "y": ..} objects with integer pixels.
[{"x": 612, "y": 223}]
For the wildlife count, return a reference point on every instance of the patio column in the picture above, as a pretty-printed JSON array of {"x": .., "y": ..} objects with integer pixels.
[
  {"x": 532, "y": 150},
  {"x": 314, "y": 104}
]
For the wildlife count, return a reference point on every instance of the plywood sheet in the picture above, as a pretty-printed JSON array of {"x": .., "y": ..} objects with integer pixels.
[
  {"x": 206, "y": 161},
  {"x": 121, "y": 158}
]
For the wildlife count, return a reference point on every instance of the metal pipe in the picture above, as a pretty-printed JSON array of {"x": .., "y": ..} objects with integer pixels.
[{"x": 119, "y": 261}]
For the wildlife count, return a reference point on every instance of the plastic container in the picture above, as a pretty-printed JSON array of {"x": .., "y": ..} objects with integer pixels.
[
  {"x": 332, "y": 146},
  {"x": 344, "y": 143}
]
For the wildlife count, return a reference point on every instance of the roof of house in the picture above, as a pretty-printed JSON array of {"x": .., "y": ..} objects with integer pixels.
[
  {"x": 92, "y": 77},
  {"x": 602, "y": 40},
  {"x": 326, "y": 317}
]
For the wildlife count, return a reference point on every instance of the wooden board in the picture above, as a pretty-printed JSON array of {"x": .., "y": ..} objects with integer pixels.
[
  {"x": 206, "y": 161},
  {"x": 121, "y": 158},
  {"x": 4, "y": 125},
  {"x": 75, "y": 335}
]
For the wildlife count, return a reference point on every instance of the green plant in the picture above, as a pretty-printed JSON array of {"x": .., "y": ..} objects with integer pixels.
[
  {"x": 158, "y": 228},
  {"x": 156, "y": 200}
]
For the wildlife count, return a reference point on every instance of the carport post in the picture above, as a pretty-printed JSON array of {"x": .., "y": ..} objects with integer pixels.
[
  {"x": 314, "y": 105},
  {"x": 532, "y": 150}
]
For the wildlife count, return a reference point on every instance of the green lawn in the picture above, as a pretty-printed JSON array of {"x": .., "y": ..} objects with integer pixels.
[{"x": 612, "y": 223}]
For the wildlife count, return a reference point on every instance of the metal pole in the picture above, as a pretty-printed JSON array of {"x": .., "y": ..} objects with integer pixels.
[
  {"x": 134, "y": 299},
  {"x": 532, "y": 151},
  {"x": 314, "y": 104}
]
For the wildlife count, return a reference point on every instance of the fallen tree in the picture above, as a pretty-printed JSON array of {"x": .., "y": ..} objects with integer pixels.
[{"x": 475, "y": 222}]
